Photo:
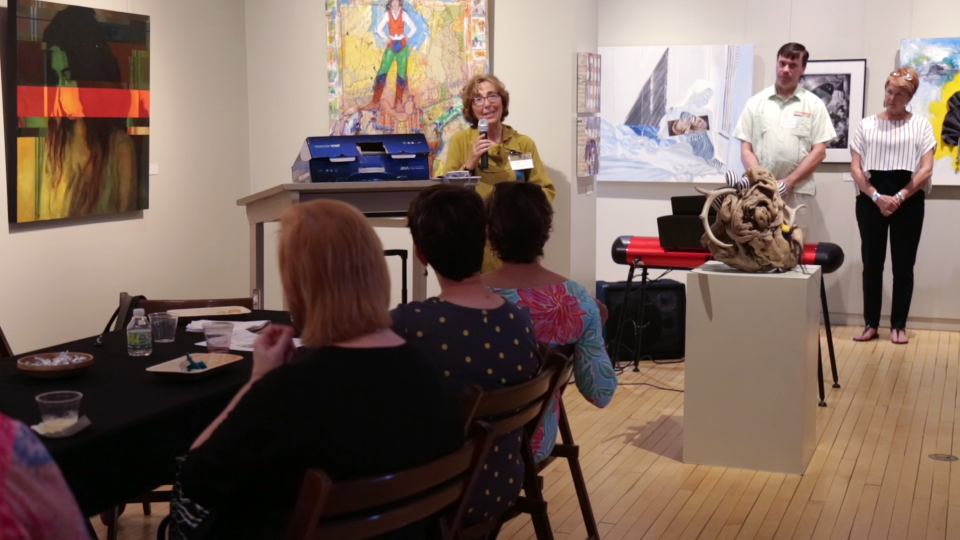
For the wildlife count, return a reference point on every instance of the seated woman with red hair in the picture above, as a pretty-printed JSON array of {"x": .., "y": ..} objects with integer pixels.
[{"x": 360, "y": 401}]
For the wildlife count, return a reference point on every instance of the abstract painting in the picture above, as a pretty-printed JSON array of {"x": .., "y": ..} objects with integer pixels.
[
  {"x": 588, "y": 146},
  {"x": 77, "y": 111},
  {"x": 588, "y": 83},
  {"x": 937, "y": 61},
  {"x": 668, "y": 113},
  {"x": 840, "y": 84},
  {"x": 399, "y": 66}
]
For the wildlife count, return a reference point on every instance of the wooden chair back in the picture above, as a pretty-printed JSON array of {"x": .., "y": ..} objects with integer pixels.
[
  {"x": 568, "y": 351},
  {"x": 5, "y": 349},
  {"x": 524, "y": 404},
  {"x": 367, "y": 507},
  {"x": 128, "y": 303}
]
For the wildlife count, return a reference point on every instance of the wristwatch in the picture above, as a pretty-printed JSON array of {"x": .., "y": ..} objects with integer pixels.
[{"x": 875, "y": 197}]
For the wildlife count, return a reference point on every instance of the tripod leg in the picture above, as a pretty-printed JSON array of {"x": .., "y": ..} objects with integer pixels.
[
  {"x": 820, "y": 374},
  {"x": 623, "y": 313},
  {"x": 826, "y": 322},
  {"x": 643, "y": 301}
]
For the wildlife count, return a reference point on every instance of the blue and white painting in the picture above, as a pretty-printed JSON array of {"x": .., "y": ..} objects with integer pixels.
[{"x": 668, "y": 113}]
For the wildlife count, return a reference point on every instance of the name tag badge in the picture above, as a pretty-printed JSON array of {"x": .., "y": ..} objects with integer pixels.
[
  {"x": 521, "y": 162},
  {"x": 869, "y": 123},
  {"x": 788, "y": 123}
]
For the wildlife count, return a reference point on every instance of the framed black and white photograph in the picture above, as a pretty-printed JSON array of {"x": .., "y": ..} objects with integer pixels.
[{"x": 840, "y": 84}]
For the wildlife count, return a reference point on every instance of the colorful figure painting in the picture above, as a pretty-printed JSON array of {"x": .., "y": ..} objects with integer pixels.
[
  {"x": 82, "y": 112},
  {"x": 668, "y": 113},
  {"x": 937, "y": 61},
  {"x": 399, "y": 66}
]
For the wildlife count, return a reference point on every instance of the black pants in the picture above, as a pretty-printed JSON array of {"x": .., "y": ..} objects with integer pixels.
[{"x": 905, "y": 226}]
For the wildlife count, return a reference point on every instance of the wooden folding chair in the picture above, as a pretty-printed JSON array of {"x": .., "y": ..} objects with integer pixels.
[
  {"x": 365, "y": 507},
  {"x": 570, "y": 451},
  {"x": 128, "y": 303},
  {"x": 5, "y": 349},
  {"x": 368, "y": 507},
  {"x": 508, "y": 409}
]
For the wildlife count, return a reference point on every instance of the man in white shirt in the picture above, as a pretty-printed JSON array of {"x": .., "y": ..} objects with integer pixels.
[{"x": 785, "y": 129}]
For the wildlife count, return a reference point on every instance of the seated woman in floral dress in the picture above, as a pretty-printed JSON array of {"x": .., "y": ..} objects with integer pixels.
[
  {"x": 35, "y": 502},
  {"x": 563, "y": 312}
]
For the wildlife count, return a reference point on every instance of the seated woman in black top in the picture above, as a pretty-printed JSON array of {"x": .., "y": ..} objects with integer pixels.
[
  {"x": 470, "y": 333},
  {"x": 361, "y": 402}
]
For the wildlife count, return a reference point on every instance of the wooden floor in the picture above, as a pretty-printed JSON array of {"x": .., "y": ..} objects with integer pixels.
[{"x": 870, "y": 477}]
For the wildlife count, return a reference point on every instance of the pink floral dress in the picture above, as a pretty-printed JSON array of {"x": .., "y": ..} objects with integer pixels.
[
  {"x": 35, "y": 502},
  {"x": 563, "y": 314}
]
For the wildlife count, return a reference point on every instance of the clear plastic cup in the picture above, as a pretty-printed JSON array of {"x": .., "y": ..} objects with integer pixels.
[
  {"x": 164, "y": 327},
  {"x": 218, "y": 334},
  {"x": 59, "y": 410}
]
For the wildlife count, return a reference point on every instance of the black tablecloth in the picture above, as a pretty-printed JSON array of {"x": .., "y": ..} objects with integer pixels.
[{"x": 140, "y": 422}]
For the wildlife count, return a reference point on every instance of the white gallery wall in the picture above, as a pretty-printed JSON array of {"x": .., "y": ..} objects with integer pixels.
[
  {"x": 287, "y": 93},
  {"x": 237, "y": 85},
  {"x": 60, "y": 281},
  {"x": 831, "y": 30}
]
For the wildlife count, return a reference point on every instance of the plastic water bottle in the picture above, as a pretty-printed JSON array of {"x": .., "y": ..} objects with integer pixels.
[{"x": 139, "y": 335}]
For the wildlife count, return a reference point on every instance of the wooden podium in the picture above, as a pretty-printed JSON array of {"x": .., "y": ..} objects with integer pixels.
[{"x": 384, "y": 203}]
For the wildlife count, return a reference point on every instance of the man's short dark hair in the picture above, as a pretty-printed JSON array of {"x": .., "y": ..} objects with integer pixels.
[
  {"x": 794, "y": 51},
  {"x": 521, "y": 219},
  {"x": 448, "y": 225}
]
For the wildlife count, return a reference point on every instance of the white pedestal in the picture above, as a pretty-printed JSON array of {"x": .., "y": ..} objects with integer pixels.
[{"x": 751, "y": 368}]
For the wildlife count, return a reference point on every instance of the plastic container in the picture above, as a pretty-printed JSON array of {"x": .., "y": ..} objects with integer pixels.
[{"x": 139, "y": 335}]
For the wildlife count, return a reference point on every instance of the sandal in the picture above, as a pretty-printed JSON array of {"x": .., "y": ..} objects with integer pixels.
[
  {"x": 866, "y": 329},
  {"x": 893, "y": 336}
]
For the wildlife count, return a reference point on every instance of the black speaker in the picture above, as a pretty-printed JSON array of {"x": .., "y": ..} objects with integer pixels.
[{"x": 664, "y": 320}]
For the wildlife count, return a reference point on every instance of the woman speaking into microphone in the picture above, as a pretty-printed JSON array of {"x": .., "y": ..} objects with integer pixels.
[{"x": 500, "y": 154}]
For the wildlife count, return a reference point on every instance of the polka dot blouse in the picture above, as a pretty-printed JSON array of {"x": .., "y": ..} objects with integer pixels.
[{"x": 492, "y": 348}]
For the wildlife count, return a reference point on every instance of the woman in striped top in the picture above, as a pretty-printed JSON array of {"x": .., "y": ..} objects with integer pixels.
[{"x": 892, "y": 163}]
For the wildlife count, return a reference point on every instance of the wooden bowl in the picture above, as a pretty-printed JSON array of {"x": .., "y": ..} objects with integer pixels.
[{"x": 31, "y": 368}]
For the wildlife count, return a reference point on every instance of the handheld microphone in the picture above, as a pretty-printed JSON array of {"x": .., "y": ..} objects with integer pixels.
[{"x": 484, "y": 127}]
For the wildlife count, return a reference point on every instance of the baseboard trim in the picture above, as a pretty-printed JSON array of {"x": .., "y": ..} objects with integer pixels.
[{"x": 916, "y": 323}]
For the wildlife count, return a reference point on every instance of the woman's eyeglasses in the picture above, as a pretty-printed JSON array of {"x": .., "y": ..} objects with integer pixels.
[
  {"x": 906, "y": 76},
  {"x": 493, "y": 97}
]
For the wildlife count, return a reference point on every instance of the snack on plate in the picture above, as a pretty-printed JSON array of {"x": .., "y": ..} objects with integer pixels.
[
  {"x": 190, "y": 365},
  {"x": 63, "y": 359}
]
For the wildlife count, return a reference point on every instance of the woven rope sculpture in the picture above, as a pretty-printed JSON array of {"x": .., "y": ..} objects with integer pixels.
[{"x": 754, "y": 230}]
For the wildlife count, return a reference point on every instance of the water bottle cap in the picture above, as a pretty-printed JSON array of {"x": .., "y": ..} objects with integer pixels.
[{"x": 138, "y": 312}]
